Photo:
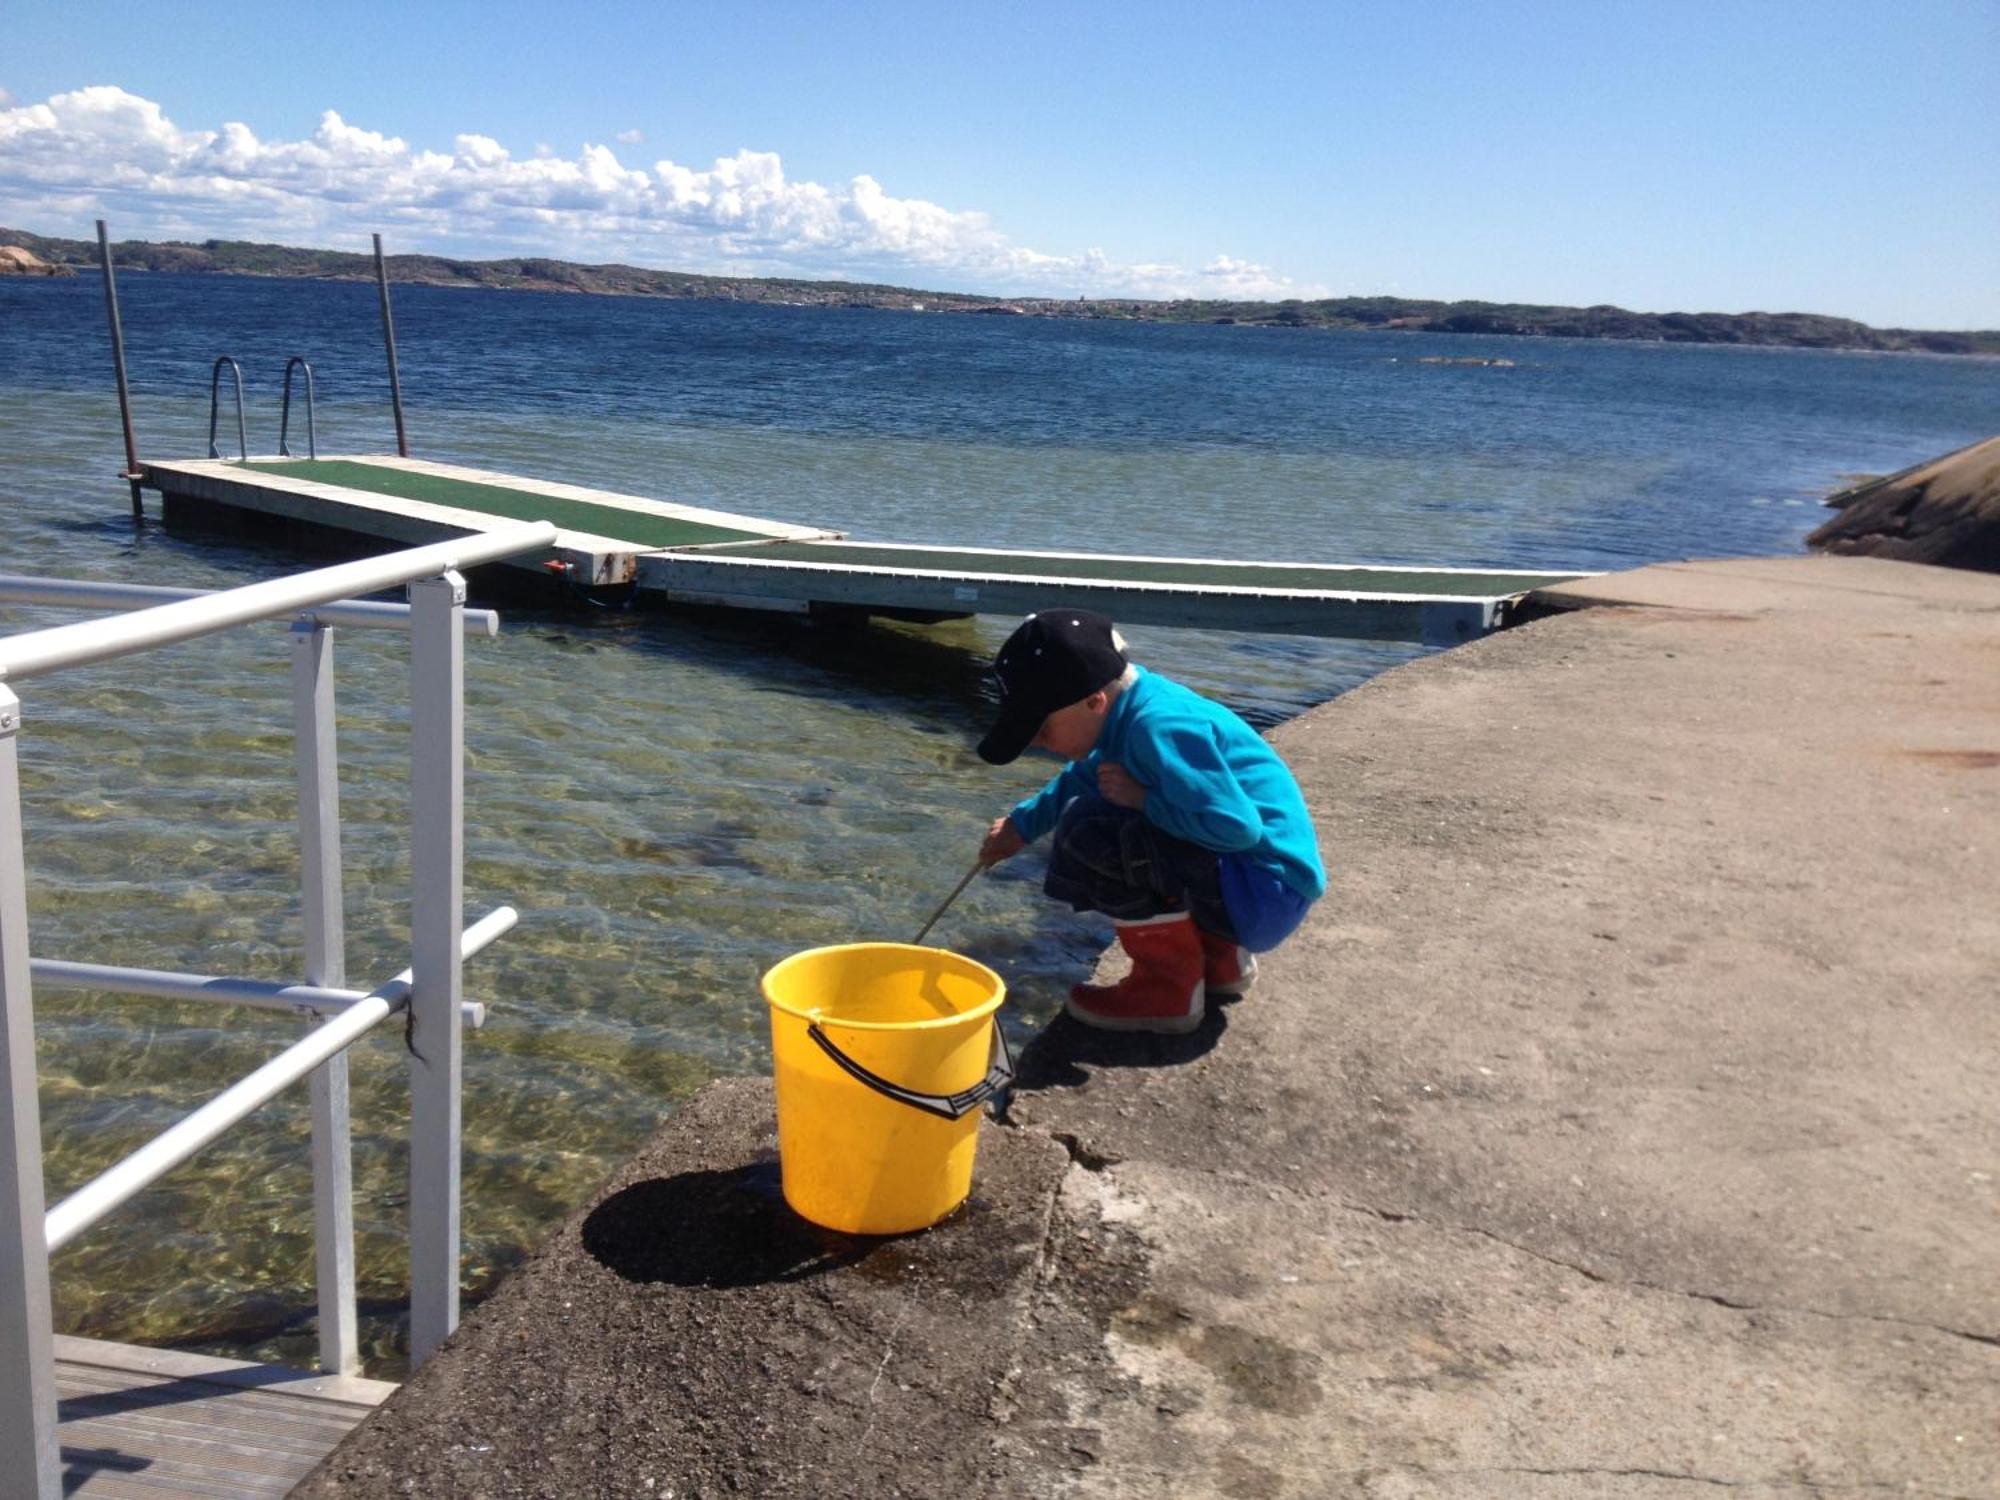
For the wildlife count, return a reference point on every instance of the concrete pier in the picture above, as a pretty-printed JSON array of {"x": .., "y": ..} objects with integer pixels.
[{"x": 1622, "y": 1124}]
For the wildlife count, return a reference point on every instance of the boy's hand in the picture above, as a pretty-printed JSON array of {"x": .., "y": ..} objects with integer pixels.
[
  {"x": 1003, "y": 841},
  {"x": 1118, "y": 787}
]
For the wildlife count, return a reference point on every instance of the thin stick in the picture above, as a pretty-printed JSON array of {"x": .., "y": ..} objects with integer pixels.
[
  {"x": 118, "y": 364},
  {"x": 946, "y": 904},
  {"x": 389, "y": 338}
]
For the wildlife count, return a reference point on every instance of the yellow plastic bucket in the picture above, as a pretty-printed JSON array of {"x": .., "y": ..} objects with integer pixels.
[{"x": 882, "y": 1054}]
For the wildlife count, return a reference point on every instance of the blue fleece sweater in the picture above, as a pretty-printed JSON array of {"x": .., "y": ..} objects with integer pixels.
[{"x": 1209, "y": 779}]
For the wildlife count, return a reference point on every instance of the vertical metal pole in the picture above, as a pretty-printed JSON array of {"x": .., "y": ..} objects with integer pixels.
[
  {"x": 437, "y": 904},
  {"x": 325, "y": 924},
  {"x": 29, "y": 1461},
  {"x": 118, "y": 362},
  {"x": 389, "y": 337}
]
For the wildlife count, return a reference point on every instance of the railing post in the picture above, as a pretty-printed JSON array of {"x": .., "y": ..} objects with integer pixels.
[
  {"x": 437, "y": 878},
  {"x": 325, "y": 931},
  {"x": 28, "y": 1453}
]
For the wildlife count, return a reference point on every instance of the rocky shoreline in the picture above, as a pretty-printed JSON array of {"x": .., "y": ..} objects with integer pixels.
[
  {"x": 16, "y": 260},
  {"x": 1944, "y": 511},
  {"x": 1397, "y": 314}
]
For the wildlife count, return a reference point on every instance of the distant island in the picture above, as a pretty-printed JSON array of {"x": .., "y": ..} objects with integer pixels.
[{"x": 1414, "y": 315}]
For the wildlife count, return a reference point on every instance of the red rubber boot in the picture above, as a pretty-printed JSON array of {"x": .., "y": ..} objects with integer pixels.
[
  {"x": 1164, "y": 991},
  {"x": 1226, "y": 968}
]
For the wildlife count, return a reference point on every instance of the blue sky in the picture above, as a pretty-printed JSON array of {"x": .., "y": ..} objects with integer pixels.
[{"x": 1829, "y": 157}]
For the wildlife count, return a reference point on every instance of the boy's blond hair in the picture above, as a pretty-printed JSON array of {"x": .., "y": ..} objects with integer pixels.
[{"x": 1125, "y": 678}]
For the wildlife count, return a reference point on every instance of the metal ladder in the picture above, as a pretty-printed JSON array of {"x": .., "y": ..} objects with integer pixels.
[{"x": 296, "y": 362}]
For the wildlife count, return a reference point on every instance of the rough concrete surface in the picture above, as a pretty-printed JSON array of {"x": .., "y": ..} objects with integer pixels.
[{"x": 1620, "y": 1125}]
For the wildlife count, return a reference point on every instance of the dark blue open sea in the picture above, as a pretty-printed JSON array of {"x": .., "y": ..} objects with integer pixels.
[{"x": 676, "y": 802}]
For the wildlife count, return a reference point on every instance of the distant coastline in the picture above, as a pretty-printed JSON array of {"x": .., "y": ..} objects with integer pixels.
[{"x": 1402, "y": 314}]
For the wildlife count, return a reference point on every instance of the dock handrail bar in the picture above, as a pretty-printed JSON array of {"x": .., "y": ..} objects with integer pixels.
[
  {"x": 285, "y": 410},
  {"x": 67, "y": 593},
  {"x": 126, "y": 1179},
  {"x": 120, "y": 635},
  {"x": 429, "y": 990},
  {"x": 260, "y": 994},
  {"x": 215, "y": 410}
]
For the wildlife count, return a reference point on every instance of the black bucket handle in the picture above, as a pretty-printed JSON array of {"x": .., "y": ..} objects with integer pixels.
[{"x": 999, "y": 1073}]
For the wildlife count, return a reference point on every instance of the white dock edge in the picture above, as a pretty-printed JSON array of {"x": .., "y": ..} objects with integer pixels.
[{"x": 746, "y": 581}]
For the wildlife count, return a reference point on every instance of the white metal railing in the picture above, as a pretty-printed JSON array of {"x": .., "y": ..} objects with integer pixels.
[
  {"x": 167, "y": 1150},
  {"x": 266, "y": 994},
  {"x": 70, "y": 593},
  {"x": 430, "y": 989}
]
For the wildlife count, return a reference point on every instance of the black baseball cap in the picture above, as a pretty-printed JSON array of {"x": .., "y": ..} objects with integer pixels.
[{"x": 1055, "y": 658}]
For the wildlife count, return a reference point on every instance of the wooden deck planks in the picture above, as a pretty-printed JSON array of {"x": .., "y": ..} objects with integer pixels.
[{"x": 154, "y": 1423}]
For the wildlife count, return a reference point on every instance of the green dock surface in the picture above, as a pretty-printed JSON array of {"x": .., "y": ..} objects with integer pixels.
[
  {"x": 1188, "y": 572},
  {"x": 516, "y": 503}
]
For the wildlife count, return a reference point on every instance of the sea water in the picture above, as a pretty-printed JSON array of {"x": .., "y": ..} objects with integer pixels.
[{"x": 676, "y": 801}]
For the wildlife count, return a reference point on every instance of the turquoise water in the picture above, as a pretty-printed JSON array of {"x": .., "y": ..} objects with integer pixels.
[{"x": 675, "y": 802}]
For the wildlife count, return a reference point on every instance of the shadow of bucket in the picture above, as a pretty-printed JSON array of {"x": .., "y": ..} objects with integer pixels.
[{"x": 882, "y": 1054}]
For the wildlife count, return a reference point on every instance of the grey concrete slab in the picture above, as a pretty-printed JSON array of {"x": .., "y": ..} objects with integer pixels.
[
  {"x": 1286, "y": 1344},
  {"x": 1825, "y": 585},
  {"x": 1620, "y": 1125},
  {"x": 1610, "y": 883}
]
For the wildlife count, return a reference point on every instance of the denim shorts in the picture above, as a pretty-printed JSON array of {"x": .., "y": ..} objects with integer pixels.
[{"x": 1109, "y": 859}]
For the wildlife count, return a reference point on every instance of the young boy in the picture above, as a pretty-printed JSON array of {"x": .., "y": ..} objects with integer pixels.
[{"x": 1173, "y": 818}]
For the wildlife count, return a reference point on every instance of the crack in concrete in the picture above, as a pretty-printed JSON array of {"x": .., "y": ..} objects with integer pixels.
[
  {"x": 1727, "y": 1484},
  {"x": 1092, "y": 1160},
  {"x": 881, "y": 1369},
  {"x": 1089, "y": 1159},
  {"x": 1041, "y": 1275},
  {"x": 1814, "y": 1487},
  {"x": 1080, "y": 1154},
  {"x": 1390, "y": 1216},
  {"x": 1809, "y": 1486},
  {"x": 856, "y": 1326}
]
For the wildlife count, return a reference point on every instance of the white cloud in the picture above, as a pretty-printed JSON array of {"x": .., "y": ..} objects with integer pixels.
[
  {"x": 630, "y": 137},
  {"x": 103, "y": 151}
]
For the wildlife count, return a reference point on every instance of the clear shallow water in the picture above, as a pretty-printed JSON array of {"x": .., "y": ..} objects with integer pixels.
[{"x": 676, "y": 802}]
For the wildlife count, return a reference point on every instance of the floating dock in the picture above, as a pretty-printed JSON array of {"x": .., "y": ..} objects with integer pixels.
[
  {"x": 680, "y": 554},
  {"x": 410, "y": 501}
]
